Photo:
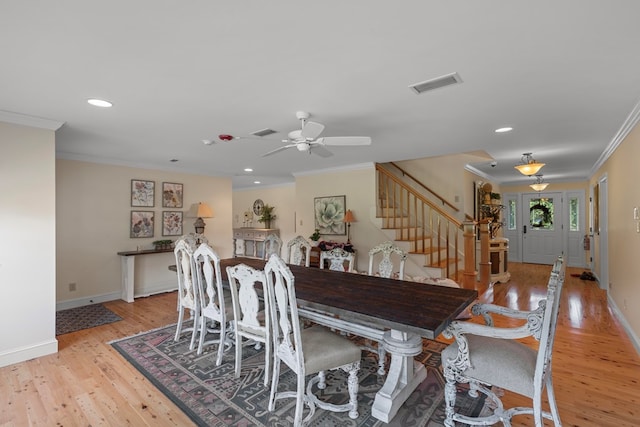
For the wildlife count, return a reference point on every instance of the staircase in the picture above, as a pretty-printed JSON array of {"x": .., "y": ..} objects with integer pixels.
[{"x": 431, "y": 236}]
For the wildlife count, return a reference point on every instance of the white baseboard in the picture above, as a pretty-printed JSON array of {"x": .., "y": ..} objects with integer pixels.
[
  {"x": 17, "y": 355},
  {"x": 79, "y": 302},
  {"x": 627, "y": 327}
]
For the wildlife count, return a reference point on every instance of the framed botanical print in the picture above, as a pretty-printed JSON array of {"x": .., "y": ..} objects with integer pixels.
[
  {"x": 171, "y": 195},
  {"x": 142, "y": 193},
  {"x": 141, "y": 224},
  {"x": 172, "y": 223},
  {"x": 329, "y": 214}
]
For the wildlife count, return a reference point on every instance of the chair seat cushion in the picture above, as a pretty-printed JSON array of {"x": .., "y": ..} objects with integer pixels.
[
  {"x": 324, "y": 350},
  {"x": 503, "y": 363}
]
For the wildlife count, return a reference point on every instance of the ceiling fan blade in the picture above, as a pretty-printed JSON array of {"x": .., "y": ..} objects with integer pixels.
[
  {"x": 312, "y": 130},
  {"x": 345, "y": 140},
  {"x": 284, "y": 147},
  {"x": 320, "y": 151}
]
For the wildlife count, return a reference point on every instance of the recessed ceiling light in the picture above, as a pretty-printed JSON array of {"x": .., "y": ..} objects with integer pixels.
[
  {"x": 99, "y": 103},
  {"x": 256, "y": 182},
  {"x": 248, "y": 170},
  {"x": 504, "y": 129}
]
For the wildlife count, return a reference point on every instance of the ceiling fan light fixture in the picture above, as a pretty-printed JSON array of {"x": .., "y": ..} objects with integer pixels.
[{"x": 529, "y": 166}]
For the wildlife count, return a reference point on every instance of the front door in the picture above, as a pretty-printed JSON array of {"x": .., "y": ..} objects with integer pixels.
[{"x": 542, "y": 227}]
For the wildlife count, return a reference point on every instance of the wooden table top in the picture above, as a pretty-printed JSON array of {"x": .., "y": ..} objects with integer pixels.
[{"x": 396, "y": 304}]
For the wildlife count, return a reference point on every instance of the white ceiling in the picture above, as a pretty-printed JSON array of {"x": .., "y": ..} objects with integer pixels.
[{"x": 564, "y": 74}]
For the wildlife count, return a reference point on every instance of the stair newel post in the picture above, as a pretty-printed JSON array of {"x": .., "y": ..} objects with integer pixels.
[
  {"x": 485, "y": 263},
  {"x": 469, "y": 235}
]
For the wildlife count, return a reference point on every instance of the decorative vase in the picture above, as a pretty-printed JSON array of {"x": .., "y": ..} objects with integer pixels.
[{"x": 267, "y": 223}]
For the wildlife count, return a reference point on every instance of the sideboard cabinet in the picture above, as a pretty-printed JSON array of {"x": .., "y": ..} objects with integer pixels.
[{"x": 249, "y": 242}]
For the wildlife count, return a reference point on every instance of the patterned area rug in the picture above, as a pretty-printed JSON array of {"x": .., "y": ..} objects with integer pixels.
[
  {"x": 88, "y": 316},
  {"x": 211, "y": 396}
]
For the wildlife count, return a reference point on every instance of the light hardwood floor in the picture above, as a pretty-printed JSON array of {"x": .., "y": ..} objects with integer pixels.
[{"x": 596, "y": 367}]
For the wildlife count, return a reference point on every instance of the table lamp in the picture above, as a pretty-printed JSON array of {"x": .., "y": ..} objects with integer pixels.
[
  {"x": 199, "y": 211},
  {"x": 348, "y": 219}
]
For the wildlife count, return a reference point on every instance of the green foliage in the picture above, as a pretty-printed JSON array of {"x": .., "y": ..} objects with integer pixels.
[
  {"x": 267, "y": 214},
  {"x": 315, "y": 236}
]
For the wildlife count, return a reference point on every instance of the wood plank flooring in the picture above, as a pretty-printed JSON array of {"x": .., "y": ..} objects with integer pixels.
[{"x": 596, "y": 367}]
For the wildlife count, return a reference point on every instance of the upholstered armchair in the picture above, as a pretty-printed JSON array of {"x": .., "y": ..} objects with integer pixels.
[{"x": 485, "y": 356}]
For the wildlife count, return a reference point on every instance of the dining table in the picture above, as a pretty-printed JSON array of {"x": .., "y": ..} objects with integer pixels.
[{"x": 395, "y": 313}]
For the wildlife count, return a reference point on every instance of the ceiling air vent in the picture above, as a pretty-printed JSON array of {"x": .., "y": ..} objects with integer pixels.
[
  {"x": 446, "y": 80},
  {"x": 263, "y": 132}
]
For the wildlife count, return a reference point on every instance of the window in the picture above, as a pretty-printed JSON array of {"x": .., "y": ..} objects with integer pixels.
[
  {"x": 574, "y": 212},
  {"x": 511, "y": 215},
  {"x": 541, "y": 213}
]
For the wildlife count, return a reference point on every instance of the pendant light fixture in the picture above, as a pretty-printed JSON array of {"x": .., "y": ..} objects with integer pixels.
[
  {"x": 539, "y": 185},
  {"x": 529, "y": 166}
]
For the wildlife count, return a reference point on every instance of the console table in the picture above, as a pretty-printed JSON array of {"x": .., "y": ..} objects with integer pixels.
[
  {"x": 128, "y": 266},
  {"x": 249, "y": 242}
]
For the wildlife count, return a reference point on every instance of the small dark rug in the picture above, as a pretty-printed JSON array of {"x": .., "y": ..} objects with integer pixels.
[
  {"x": 211, "y": 396},
  {"x": 88, "y": 316}
]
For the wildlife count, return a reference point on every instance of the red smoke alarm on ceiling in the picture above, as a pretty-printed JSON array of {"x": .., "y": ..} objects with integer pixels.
[{"x": 225, "y": 137}]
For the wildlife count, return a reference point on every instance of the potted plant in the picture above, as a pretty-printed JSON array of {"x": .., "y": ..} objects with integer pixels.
[
  {"x": 315, "y": 237},
  {"x": 267, "y": 216},
  {"x": 495, "y": 198}
]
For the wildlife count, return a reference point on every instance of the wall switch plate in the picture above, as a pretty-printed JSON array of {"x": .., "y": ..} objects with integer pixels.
[{"x": 636, "y": 213}]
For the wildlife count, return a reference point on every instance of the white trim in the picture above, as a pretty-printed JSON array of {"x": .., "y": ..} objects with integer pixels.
[
  {"x": 21, "y": 354},
  {"x": 80, "y": 302},
  {"x": 478, "y": 172},
  {"x": 629, "y": 123},
  {"x": 254, "y": 187},
  {"x": 25, "y": 120},
  {"x": 623, "y": 321},
  {"x": 346, "y": 168}
]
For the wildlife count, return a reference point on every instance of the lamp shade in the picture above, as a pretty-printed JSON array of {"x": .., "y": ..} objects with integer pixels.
[
  {"x": 349, "y": 217},
  {"x": 529, "y": 165},
  {"x": 539, "y": 185},
  {"x": 200, "y": 210}
]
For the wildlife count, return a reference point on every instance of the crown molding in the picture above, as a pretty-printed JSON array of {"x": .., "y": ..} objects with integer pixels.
[{"x": 25, "y": 120}]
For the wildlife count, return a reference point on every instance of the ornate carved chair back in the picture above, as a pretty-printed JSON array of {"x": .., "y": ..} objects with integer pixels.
[
  {"x": 215, "y": 306},
  {"x": 337, "y": 257},
  {"x": 251, "y": 311},
  {"x": 486, "y": 356},
  {"x": 385, "y": 266},
  {"x": 330, "y": 350},
  {"x": 187, "y": 290},
  {"x": 272, "y": 245},
  {"x": 299, "y": 251},
  {"x": 193, "y": 240}
]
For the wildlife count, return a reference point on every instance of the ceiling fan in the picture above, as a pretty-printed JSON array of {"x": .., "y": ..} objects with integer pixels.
[{"x": 306, "y": 139}]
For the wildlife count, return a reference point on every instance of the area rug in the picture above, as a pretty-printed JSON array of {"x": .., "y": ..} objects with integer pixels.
[
  {"x": 212, "y": 396},
  {"x": 88, "y": 316}
]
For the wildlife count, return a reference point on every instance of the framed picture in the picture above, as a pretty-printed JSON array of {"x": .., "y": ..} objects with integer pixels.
[
  {"x": 329, "y": 214},
  {"x": 172, "y": 223},
  {"x": 141, "y": 224},
  {"x": 142, "y": 193},
  {"x": 171, "y": 195}
]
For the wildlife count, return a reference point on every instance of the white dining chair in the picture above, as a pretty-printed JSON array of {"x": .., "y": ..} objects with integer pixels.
[
  {"x": 251, "y": 313},
  {"x": 337, "y": 257},
  {"x": 299, "y": 251},
  {"x": 308, "y": 351},
  {"x": 387, "y": 251},
  {"x": 187, "y": 290},
  {"x": 486, "y": 356},
  {"x": 216, "y": 310},
  {"x": 272, "y": 245}
]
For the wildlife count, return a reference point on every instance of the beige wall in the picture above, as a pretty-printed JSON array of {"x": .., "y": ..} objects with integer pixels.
[
  {"x": 93, "y": 213},
  {"x": 282, "y": 198},
  {"x": 624, "y": 240},
  {"x": 27, "y": 255}
]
